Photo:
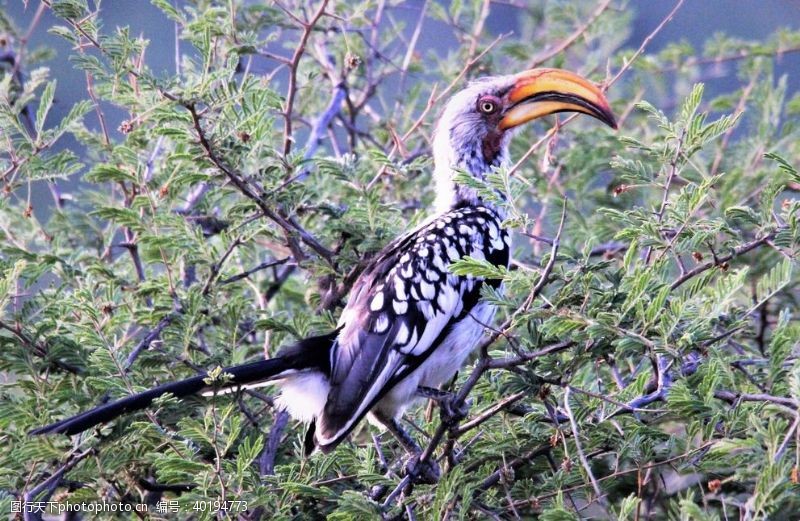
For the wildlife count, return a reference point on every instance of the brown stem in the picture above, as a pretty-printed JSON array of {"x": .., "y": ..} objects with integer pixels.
[
  {"x": 738, "y": 250},
  {"x": 308, "y": 27}
]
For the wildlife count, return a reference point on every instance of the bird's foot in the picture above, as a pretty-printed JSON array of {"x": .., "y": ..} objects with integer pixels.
[
  {"x": 426, "y": 472},
  {"x": 452, "y": 410}
]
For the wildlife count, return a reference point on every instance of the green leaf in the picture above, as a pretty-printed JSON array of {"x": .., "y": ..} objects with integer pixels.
[
  {"x": 104, "y": 173},
  {"x": 477, "y": 268},
  {"x": 45, "y": 103}
]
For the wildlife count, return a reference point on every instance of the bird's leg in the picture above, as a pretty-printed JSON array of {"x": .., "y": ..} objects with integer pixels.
[
  {"x": 429, "y": 471},
  {"x": 451, "y": 412}
]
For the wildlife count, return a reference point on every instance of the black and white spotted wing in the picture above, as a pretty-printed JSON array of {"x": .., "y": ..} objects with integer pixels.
[{"x": 402, "y": 307}]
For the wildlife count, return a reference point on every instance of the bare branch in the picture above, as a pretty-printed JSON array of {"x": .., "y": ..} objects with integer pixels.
[
  {"x": 247, "y": 190},
  {"x": 581, "y": 455},
  {"x": 738, "y": 250},
  {"x": 572, "y": 38},
  {"x": 308, "y": 27}
]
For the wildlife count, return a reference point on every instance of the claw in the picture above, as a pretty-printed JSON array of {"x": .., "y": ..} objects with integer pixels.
[{"x": 451, "y": 413}]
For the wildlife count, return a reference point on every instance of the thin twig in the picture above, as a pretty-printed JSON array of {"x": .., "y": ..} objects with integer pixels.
[
  {"x": 572, "y": 38},
  {"x": 673, "y": 171},
  {"x": 217, "y": 266},
  {"x": 308, "y": 27},
  {"x": 150, "y": 337},
  {"x": 738, "y": 250},
  {"x": 786, "y": 439},
  {"x": 262, "y": 266},
  {"x": 489, "y": 412},
  {"x": 50, "y": 484},
  {"x": 581, "y": 455},
  {"x": 645, "y": 43},
  {"x": 245, "y": 188},
  {"x": 434, "y": 98},
  {"x": 39, "y": 350}
]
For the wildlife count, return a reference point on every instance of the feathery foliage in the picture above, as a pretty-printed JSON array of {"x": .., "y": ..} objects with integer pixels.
[{"x": 644, "y": 365}]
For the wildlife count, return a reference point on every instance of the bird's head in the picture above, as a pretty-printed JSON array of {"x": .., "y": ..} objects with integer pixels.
[{"x": 476, "y": 126}]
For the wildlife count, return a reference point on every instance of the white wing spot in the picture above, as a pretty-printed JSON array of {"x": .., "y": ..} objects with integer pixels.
[
  {"x": 377, "y": 302},
  {"x": 400, "y": 307},
  {"x": 400, "y": 289},
  {"x": 402, "y": 334}
]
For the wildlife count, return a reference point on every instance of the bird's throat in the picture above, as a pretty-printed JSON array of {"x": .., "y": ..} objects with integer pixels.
[
  {"x": 492, "y": 149},
  {"x": 477, "y": 159}
]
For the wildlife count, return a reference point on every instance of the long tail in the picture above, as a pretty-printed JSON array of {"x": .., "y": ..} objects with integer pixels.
[{"x": 309, "y": 354}]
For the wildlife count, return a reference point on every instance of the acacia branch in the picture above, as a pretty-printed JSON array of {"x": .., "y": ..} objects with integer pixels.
[
  {"x": 247, "y": 273},
  {"x": 673, "y": 171},
  {"x": 702, "y": 448},
  {"x": 308, "y": 27},
  {"x": 738, "y": 250},
  {"x": 735, "y": 396},
  {"x": 572, "y": 38},
  {"x": 581, "y": 455},
  {"x": 217, "y": 266},
  {"x": 246, "y": 189},
  {"x": 149, "y": 337},
  {"x": 266, "y": 462},
  {"x": 40, "y": 350},
  {"x": 743, "y": 54},
  {"x": 50, "y": 484}
]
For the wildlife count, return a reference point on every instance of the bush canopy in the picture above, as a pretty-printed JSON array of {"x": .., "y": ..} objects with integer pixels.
[{"x": 643, "y": 364}]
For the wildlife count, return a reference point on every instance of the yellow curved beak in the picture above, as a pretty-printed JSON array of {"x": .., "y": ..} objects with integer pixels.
[{"x": 539, "y": 92}]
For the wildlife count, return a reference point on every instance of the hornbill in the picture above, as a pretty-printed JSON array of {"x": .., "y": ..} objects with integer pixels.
[{"x": 409, "y": 323}]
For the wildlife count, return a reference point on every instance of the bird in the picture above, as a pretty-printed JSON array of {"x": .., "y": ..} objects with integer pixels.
[{"x": 409, "y": 323}]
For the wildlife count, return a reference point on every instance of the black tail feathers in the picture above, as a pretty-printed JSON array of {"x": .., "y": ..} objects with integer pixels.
[{"x": 309, "y": 354}]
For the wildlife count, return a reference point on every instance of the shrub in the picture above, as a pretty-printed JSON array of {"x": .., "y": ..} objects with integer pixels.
[{"x": 644, "y": 361}]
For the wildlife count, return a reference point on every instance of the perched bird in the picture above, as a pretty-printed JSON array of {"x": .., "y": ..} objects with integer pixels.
[{"x": 409, "y": 323}]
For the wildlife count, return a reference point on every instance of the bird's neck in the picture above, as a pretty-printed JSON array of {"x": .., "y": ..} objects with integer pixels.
[{"x": 449, "y": 161}]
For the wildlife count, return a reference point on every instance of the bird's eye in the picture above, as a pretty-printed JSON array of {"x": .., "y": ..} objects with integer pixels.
[{"x": 487, "y": 105}]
